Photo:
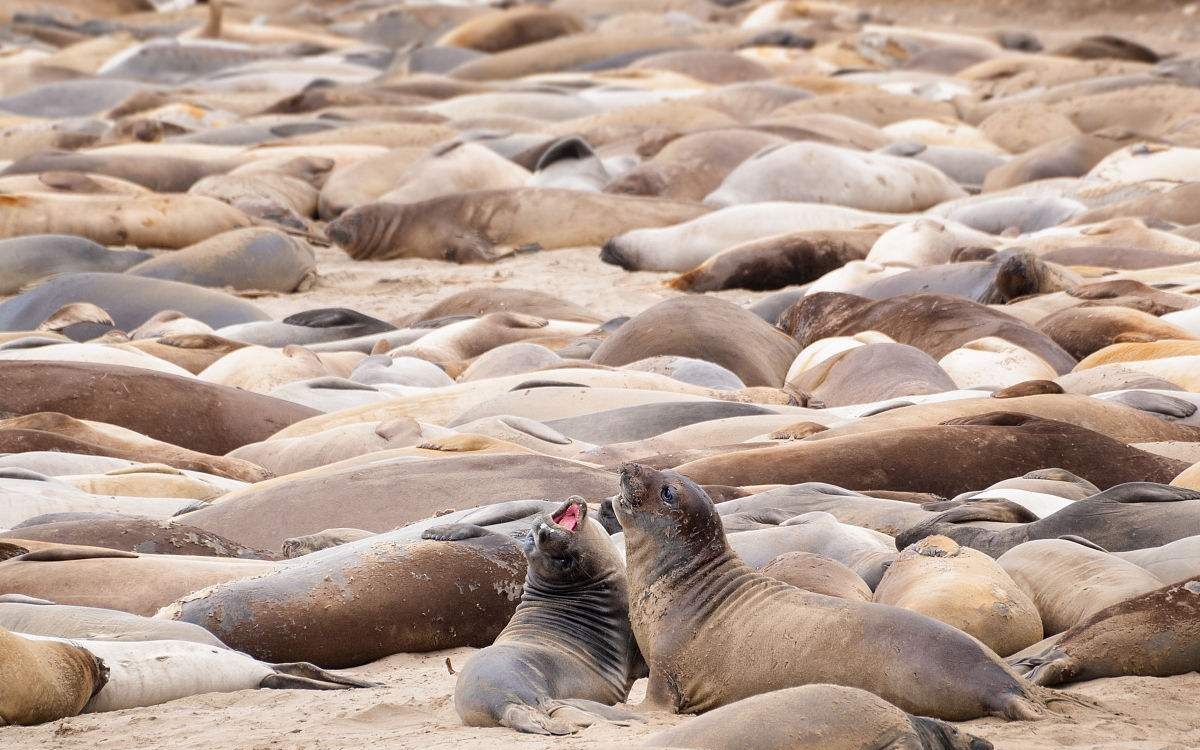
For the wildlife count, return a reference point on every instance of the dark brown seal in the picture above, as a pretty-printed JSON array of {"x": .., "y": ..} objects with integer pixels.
[
  {"x": 713, "y": 631},
  {"x": 568, "y": 652}
]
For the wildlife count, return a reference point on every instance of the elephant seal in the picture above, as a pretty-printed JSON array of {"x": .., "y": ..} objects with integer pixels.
[
  {"x": 257, "y": 258},
  {"x": 964, "y": 588},
  {"x": 25, "y": 260},
  {"x": 501, "y": 30},
  {"x": 1130, "y": 516},
  {"x": 705, "y": 328},
  {"x": 874, "y": 372},
  {"x": 40, "y": 617},
  {"x": 129, "y": 300},
  {"x": 1170, "y": 562},
  {"x": 365, "y": 600},
  {"x": 136, "y": 534},
  {"x": 147, "y": 673},
  {"x": 309, "y": 543},
  {"x": 685, "y": 583},
  {"x": 171, "y": 220},
  {"x": 920, "y": 320},
  {"x": 818, "y": 574},
  {"x": 483, "y": 225},
  {"x": 1085, "y": 330},
  {"x": 986, "y": 448},
  {"x": 1005, "y": 276},
  {"x": 776, "y": 262},
  {"x": 1155, "y": 634},
  {"x": 321, "y": 325},
  {"x": 57, "y": 679},
  {"x": 866, "y": 181},
  {"x": 1069, "y": 582},
  {"x": 454, "y": 168},
  {"x": 480, "y": 301},
  {"x": 829, "y": 717},
  {"x": 568, "y": 653},
  {"x": 205, "y": 417},
  {"x": 160, "y": 173}
]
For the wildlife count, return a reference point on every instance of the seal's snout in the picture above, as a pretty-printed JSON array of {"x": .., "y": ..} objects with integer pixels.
[
  {"x": 341, "y": 231},
  {"x": 633, "y": 484},
  {"x": 611, "y": 253}
]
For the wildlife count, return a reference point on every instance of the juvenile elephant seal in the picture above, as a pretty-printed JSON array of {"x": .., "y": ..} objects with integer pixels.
[
  {"x": 1005, "y": 276},
  {"x": 701, "y": 616},
  {"x": 257, "y": 258},
  {"x": 48, "y": 679},
  {"x": 776, "y": 262},
  {"x": 24, "y": 260},
  {"x": 362, "y": 601},
  {"x": 1130, "y": 516},
  {"x": 480, "y": 226},
  {"x": 818, "y": 574},
  {"x": 704, "y": 328},
  {"x": 963, "y": 588},
  {"x": 567, "y": 654},
  {"x": 1155, "y": 634},
  {"x": 40, "y": 617},
  {"x": 829, "y": 717}
]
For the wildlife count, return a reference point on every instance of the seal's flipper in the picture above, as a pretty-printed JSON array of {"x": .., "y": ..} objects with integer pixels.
[
  {"x": 454, "y": 532},
  {"x": 530, "y": 720},
  {"x": 608, "y": 713},
  {"x": 314, "y": 678},
  {"x": 73, "y": 553},
  {"x": 982, "y": 510},
  {"x": 1081, "y": 541},
  {"x": 1158, "y": 404},
  {"x": 1145, "y": 492},
  {"x": 935, "y": 734},
  {"x": 1051, "y": 667}
]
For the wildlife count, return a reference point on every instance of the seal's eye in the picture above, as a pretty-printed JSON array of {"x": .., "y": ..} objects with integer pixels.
[{"x": 667, "y": 493}]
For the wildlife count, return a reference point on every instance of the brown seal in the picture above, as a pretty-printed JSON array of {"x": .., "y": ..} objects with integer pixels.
[
  {"x": 568, "y": 653},
  {"x": 713, "y": 631},
  {"x": 828, "y": 717},
  {"x": 1155, "y": 634},
  {"x": 48, "y": 680}
]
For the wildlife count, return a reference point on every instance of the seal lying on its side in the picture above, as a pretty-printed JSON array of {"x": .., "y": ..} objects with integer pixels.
[
  {"x": 1156, "y": 634},
  {"x": 55, "y": 679},
  {"x": 701, "y": 617},
  {"x": 815, "y": 716},
  {"x": 568, "y": 653}
]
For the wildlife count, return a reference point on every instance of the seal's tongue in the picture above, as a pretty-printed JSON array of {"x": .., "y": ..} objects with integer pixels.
[{"x": 568, "y": 517}]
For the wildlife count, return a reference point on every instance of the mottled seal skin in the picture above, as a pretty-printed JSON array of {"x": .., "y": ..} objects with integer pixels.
[
  {"x": 135, "y": 534},
  {"x": 129, "y": 300},
  {"x": 776, "y": 262},
  {"x": 204, "y": 417},
  {"x": 829, "y": 717},
  {"x": 49, "y": 679},
  {"x": 1156, "y": 634},
  {"x": 985, "y": 449},
  {"x": 1087, "y": 329},
  {"x": 935, "y": 323},
  {"x": 365, "y": 600},
  {"x": 701, "y": 616},
  {"x": 482, "y": 225},
  {"x": 25, "y": 260},
  {"x": 1126, "y": 517},
  {"x": 568, "y": 652}
]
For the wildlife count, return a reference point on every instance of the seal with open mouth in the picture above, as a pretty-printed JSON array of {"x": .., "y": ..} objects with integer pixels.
[
  {"x": 714, "y": 631},
  {"x": 568, "y": 653}
]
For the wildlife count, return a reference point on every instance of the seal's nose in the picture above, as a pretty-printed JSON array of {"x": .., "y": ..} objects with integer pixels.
[
  {"x": 611, "y": 253},
  {"x": 340, "y": 232}
]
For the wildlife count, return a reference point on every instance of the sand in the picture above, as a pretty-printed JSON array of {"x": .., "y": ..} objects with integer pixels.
[{"x": 416, "y": 710}]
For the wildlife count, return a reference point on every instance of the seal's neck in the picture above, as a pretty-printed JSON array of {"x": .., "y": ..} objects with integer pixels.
[{"x": 666, "y": 573}]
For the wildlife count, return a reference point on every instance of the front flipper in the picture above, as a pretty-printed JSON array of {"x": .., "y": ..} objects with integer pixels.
[
  {"x": 1145, "y": 492},
  {"x": 305, "y": 676},
  {"x": 454, "y": 532},
  {"x": 531, "y": 720},
  {"x": 1051, "y": 667}
]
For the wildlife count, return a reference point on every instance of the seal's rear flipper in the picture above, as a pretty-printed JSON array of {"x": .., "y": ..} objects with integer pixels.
[
  {"x": 938, "y": 735},
  {"x": 1051, "y": 667},
  {"x": 301, "y": 675},
  {"x": 612, "y": 714},
  {"x": 530, "y": 720}
]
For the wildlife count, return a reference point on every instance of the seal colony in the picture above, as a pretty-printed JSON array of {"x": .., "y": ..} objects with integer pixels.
[{"x": 682, "y": 373}]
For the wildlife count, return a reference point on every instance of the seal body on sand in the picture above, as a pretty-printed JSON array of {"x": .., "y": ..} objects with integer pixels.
[
  {"x": 365, "y": 600},
  {"x": 776, "y": 262},
  {"x": 24, "y": 260},
  {"x": 1156, "y": 634},
  {"x": 1005, "y": 276},
  {"x": 829, "y": 717},
  {"x": 480, "y": 226},
  {"x": 964, "y": 588},
  {"x": 39, "y": 617},
  {"x": 205, "y": 417},
  {"x": 818, "y": 574},
  {"x": 48, "y": 680},
  {"x": 703, "y": 328},
  {"x": 700, "y": 616},
  {"x": 129, "y": 300},
  {"x": 1130, "y": 516},
  {"x": 257, "y": 258},
  {"x": 568, "y": 653}
]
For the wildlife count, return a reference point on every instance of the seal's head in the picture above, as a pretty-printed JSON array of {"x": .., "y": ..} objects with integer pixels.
[
  {"x": 563, "y": 547},
  {"x": 667, "y": 505}
]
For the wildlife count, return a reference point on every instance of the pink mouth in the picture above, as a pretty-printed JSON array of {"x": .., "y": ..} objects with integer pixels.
[{"x": 568, "y": 518}]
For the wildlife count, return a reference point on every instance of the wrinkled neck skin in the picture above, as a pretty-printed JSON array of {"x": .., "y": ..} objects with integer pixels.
[{"x": 586, "y": 619}]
